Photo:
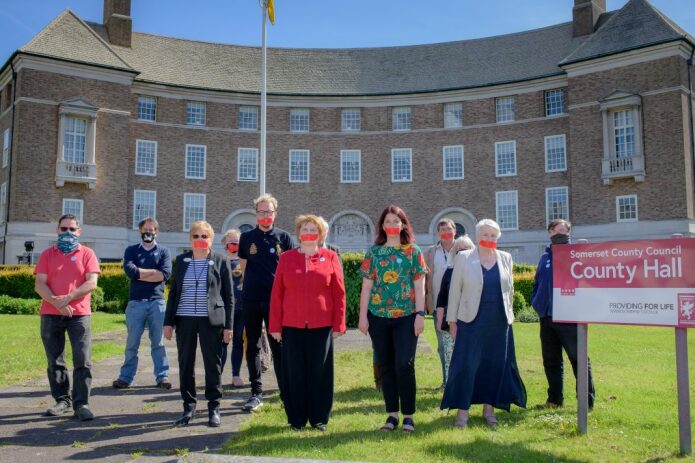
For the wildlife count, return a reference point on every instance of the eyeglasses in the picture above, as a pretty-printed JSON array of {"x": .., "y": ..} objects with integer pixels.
[
  {"x": 265, "y": 212},
  {"x": 196, "y": 237},
  {"x": 72, "y": 229}
]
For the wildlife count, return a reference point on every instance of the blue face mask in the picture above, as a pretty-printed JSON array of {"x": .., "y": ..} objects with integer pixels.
[{"x": 67, "y": 242}]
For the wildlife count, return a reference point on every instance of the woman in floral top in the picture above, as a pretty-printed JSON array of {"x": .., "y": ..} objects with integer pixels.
[{"x": 392, "y": 311}]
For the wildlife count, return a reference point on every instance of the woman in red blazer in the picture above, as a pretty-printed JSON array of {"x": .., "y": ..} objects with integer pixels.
[{"x": 307, "y": 310}]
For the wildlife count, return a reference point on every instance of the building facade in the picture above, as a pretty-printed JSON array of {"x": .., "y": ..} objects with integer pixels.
[{"x": 589, "y": 120}]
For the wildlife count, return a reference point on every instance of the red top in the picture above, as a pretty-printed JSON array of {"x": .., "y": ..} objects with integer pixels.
[
  {"x": 308, "y": 293},
  {"x": 65, "y": 273}
]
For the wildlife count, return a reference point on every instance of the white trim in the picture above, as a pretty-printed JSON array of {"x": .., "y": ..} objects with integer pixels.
[
  {"x": 227, "y": 224},
  {"x": 156, "y": 148},
  {"x": 404, "y": 110},
  {"x": 27, "y": 99},
  {"x": 84, "y": 71},
  {"x": 410, "y": 161},
  {"x": 137, "y": 108},
  {"x": 656, "y": 52},
  {"x": 308, "y": 165},
  {"x": 545, "y": 149},
  {"x": 81, "y": 202},
  {"x": 497, "y": 215},
  {"x": 497, "y": 174},
  {"x": 238, "y": 165},
  {"x": 3, "y": 202},
  {"x": 567, "y": 194},
  {"x": 154, "y": 204},
  {"x": 204, "y": 113},
  {"x": 205, "y": 203},
  {"x": 471, "y": 220},
  {"x": 463, "y": 161},
  {"x": 359, "y": 160},
  {"x": 238, "y": 122},
  {"x": 359, "y": 120},
  {"x": 617, "y": 209},
  {"x": 205, "y": 161},
  {"x": 5, "y": 147},
  {"x": 300, "y": 112}
]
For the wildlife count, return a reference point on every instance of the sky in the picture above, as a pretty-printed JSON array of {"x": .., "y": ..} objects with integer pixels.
[{"x": 317, "y": 23}]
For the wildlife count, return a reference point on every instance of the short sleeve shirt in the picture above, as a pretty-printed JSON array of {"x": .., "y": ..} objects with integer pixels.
[
  {"x": 393, "y": 270},
  {"x": 65, "y": 273},
  {"x": 262, "y": 252}
]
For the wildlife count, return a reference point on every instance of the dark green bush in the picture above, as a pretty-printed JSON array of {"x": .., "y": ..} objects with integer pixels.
[
  {"x": 523, "y": 283},
  {"x": 527, "y": 315},
  {"x": 14, "y": 305},
  {"x": 519, "y": 303},
  {"x": 97, "y": 299},
  {"x": 353, "y": 286},
  {"x": 113, "y": 307}
]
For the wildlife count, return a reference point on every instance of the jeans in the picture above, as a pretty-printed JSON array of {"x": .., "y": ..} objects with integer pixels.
[
  {"x": 555, "y": 337},
  {"x": 139, "y": 313},
  {"x": 441, "y": 348},
  {"x": 53, "y": 328}
]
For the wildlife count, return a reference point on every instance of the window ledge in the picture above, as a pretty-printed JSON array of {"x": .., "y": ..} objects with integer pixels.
[
  {"x": 75, "y": 172},
  {"x": 629, "y": 167}
]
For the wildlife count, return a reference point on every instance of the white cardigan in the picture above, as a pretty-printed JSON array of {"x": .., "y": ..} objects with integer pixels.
[{"x": 467, "y": 286}]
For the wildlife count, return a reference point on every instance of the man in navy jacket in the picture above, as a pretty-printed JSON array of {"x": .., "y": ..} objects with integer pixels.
[{"x": 555, "y": 336}]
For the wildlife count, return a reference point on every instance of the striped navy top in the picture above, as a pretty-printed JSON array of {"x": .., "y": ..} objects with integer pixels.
[{"x": 194, "y": 292}]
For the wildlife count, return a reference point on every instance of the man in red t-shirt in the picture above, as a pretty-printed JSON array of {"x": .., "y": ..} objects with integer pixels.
[{"x": 66, "y": 274}]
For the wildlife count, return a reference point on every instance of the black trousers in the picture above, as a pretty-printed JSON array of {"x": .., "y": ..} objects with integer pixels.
[
  {"x": 188, "y": 331},
  {"x": 307, "y": 372},
  {"x": 554, "y": 338},
  {"x": 53, "y": 329},
  {"x": 256, "y": 314},
  {"x": 394, "y": 343}
]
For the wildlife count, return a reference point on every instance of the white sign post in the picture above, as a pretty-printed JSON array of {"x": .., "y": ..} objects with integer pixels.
[{"x": 643, "y": 282}]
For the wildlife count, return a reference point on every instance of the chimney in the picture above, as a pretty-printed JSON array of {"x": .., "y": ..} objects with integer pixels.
[
  {"x": 118, "y": 22},
  {"x": 585, "y": 14}
]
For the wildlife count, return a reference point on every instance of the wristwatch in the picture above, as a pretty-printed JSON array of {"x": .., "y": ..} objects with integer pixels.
[{"x": 420, "y": 313}]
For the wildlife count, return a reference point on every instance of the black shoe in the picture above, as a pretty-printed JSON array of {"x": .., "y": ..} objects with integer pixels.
[
  {"x": 62, "y": 406},
  {"x": 120, "y": 384},
  {"x": 188, "y": 413},
  {"x": 214, "y": 420},
  {"x": 296, "y": 428},
  {"x": 84, "y": 413},
  {"x": 253, "y": 404}
]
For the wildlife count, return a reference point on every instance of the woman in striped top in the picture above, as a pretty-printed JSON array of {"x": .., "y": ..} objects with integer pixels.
[{"x": 200, "y": 306}]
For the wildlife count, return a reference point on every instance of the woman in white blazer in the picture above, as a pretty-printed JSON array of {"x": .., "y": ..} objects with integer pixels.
[{"x": 483, "y": 366}]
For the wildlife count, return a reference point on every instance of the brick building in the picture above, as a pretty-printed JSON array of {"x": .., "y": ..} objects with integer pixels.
[{"x": 589, "y": 120}]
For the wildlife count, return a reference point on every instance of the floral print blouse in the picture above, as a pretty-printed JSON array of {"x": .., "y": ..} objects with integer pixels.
[{"x": 393, "y": 270}]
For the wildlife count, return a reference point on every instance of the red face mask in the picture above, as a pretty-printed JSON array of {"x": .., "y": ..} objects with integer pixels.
[
  {"x": 265, "y": 221},
  {"x": 446, "y": 236},
  {"x": 392, "y": 231},
  {"x": 309, "y": 237},
  {"x": 231, "y": 247},
  {"x": 488, "y": 244},
  {"x": 200, "y": 244}
]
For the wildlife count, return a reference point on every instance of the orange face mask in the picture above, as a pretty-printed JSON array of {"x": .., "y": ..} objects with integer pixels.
[
  {"x": 446, "y": 236},
  {"x": 392, "y": 230},
  {"x": 309, "y": 237},
  {"x": 232, "y": 247},
  {"x": 200, "y": 244},
  {"x": 265, "y": 221},
  {"x": 488, "y": 244}
]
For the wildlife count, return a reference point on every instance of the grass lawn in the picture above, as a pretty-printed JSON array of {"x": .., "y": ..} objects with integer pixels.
[
  {"x": 634, "y": 419},
  {"x": 21, "y": 349}
]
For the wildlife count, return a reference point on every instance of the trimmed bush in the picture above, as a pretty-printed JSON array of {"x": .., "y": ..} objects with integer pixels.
[
  {"x": 17, "y": 281},
  {"x": 97, "y": 299},
  {"x": 353, "y": 286},
  {"x": 527, "y": 315},
  {"x": 523, "y": 283},
  {"x": 113, "y": 307},
  {"x": 14, "y": 305},
  {"x": 519, "y": 303}
]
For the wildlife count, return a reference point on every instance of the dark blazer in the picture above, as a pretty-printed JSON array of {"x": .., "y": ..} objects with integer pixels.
[{"x": 220, "y": 300}]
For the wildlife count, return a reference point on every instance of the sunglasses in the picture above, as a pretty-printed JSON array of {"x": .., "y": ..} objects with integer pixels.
[
  {"x": 72, "y": 229},
  {"x": 196, "y": 237},
  {"x": 265, "y": 212}
]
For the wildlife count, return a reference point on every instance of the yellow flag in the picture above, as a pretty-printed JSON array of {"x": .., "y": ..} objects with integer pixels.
[{"x": 271, "y": 12}]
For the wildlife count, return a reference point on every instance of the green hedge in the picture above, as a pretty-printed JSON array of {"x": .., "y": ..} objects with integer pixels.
[{"x": 31, "y": 306}]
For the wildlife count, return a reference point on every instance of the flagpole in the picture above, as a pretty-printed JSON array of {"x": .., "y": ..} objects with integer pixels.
[{"x": 263, "y": 101}]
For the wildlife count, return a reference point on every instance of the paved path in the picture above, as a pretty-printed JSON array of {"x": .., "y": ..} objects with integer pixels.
[{"x": 132, "y": 424}]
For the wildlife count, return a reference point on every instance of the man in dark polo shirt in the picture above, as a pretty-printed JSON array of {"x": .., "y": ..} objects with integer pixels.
[
  {"x": 148, "y": 266},
  {"x": 259, "y": 253}
]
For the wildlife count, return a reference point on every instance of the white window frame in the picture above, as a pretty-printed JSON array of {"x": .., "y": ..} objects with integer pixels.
[
  {"x": 139, "y": 143},
  {"x": 74, "y": 135},
  {"x": 136, "y": 218},
  {"x": 242, "y": 122},
  {"x": 497, "y": 160},
  {"x": 515, "y": 195},
  {"x": 397, "y": 123},
  {"x": 205, "y": 160},
  {"x": 141, "y": 101},
  {"x": 345, "y": 153},
  {"x": 293, "y": 178},
  {"x": 548, "y": 192},
  {"x": 78, "y": 201},
  {"x": 451, "y": 119},
  {"x": 546, "y": 141},
  {"x": 196, "y": 113},
  {"x": 617, "y": 208},
  {"x": 3, "y": 201},
  {"x": 347, "y": 118},
  {"x": 614, "y": 167},
  {"x": 505, "y": 109},
  {"x": 446, "y": 155},
  {"x": 247, "y": 151},
  {"x": 401, "y": 151},
  {"x": 187, "y": 196},
  {"x": 5, "y": 148},
  {"x": 548, "y": 104},
  {"x": 297, "y": 117}
]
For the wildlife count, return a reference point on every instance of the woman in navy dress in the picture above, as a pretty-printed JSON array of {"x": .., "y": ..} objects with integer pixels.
[{"x": 483, "y": 367}]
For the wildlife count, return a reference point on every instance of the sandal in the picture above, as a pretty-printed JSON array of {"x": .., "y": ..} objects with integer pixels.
[
  {"x": 491, "y": 420},
  {"x": 391, "y": 424},
  {"x": 408, "y": 422},
  {"x": 461, "y": 421}
]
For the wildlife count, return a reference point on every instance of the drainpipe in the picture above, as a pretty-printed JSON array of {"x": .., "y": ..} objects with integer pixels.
[
  {"x": 690, "y": 108},
  {"x": 9, "y": 166}
]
